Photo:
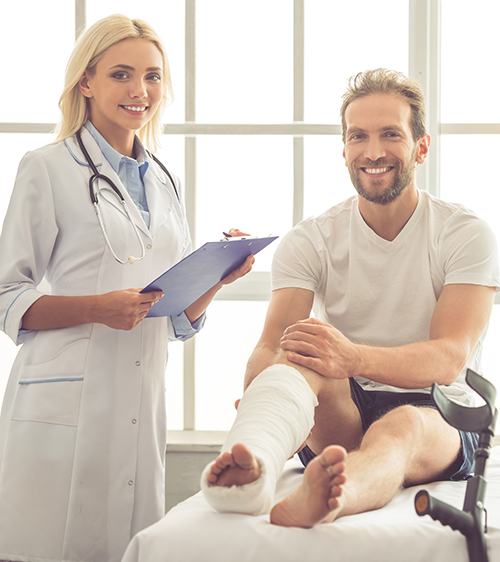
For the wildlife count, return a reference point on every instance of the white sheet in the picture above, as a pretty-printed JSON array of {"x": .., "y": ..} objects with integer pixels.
[{"x": 193, "y": 532}]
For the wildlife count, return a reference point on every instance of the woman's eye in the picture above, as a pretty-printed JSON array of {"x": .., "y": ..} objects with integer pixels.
[
  {"x": 120, "y": 75},
  {"x": 154, "y": 77}
]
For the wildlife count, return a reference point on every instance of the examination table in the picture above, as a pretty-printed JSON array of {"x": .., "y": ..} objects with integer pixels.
[{"x": 193, "y": 532}]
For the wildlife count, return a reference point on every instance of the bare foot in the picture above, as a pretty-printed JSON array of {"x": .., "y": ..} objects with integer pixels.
[
  {"x": 236, "y": 468},
  {"x": 317, "y": 499}
]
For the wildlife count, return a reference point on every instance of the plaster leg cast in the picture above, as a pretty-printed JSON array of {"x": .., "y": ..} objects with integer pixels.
[{"x": 274, "y": 418}]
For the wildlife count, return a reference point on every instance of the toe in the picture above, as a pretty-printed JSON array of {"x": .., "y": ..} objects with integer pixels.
[
  {"x": 243, "y": 457},
  {"x": 211, "y": 478}
]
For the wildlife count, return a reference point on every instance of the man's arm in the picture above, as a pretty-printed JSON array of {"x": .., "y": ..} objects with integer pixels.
[
  {"x": 286, "y": 307},
  {"x": 460, "y": 317}
]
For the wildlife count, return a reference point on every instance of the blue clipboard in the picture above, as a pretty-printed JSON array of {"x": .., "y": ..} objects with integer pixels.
[{"x": 193, "y": 276}]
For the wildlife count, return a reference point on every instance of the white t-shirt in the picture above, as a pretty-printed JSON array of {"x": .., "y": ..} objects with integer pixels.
[{"x": 383, "y": 293}]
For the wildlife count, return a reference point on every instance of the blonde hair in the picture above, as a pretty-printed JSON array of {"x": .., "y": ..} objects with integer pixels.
[
  {"x": 383, "y": 81},
  {"x": 88, "y": 51}
]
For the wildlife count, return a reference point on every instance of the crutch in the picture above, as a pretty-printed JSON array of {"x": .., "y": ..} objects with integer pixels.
[{"x": 471, "y": 520}]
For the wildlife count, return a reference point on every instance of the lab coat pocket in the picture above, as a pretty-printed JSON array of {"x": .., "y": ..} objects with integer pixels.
[
  {"x": 56, "y": 401},
  {"x": 50, "y": 391}
]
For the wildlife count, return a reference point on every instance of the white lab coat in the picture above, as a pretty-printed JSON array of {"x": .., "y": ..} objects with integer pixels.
[{"x": 83, "y": 428}]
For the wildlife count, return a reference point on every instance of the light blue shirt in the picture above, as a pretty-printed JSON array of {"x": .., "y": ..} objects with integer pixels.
[{"x": 131, "y": 172}]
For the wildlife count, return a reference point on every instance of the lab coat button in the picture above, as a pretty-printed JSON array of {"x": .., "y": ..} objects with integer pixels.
[
  {"x": 134, "y": 421},
  {"x": 149, "y": 246},
  {"x": 137, "y": 363},
  {"x": 130, "y": 482}
]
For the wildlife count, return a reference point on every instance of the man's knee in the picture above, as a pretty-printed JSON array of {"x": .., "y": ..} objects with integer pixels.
[
  {"x": 421, "y": 429},
  {"x": 403, "y": 422}
]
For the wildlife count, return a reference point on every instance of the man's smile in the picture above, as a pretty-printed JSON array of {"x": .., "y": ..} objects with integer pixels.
[{"x": 376, "y": 171}]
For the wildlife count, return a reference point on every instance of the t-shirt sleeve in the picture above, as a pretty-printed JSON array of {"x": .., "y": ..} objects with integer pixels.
[
  {"x": 297, "y": 261},
  {"x": 469, "y": 251}
]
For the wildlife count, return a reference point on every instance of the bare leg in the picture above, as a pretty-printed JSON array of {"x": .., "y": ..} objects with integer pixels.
[{"x": 408, "y": 445}]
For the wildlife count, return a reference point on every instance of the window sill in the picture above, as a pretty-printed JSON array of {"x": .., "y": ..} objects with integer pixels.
[
  {"x": 195, "y": 441},
  {"x": 211, "y": 441}
]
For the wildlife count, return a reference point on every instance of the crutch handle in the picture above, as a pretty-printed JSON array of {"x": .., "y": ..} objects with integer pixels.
[{"x": 446, "y": 514}]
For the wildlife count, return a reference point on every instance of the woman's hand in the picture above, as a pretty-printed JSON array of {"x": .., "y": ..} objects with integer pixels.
[
  {"x": 195, "y": 310},
  {"x": 234, "y": 232},
  {"x": 241, "y": 271},
  {"x": 124, "y": 310},
  {"x": 121, "y": 310},
  {"x": 244, "y": 268}
]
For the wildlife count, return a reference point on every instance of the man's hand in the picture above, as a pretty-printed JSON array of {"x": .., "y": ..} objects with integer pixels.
[{"x": 320, "y": 347}]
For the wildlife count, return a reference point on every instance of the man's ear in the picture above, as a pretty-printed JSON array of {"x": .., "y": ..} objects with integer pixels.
[
  {"x": 84, "y": 86},
  {"x": 423, "y": 149},
  {"x": 343, "y": 154}
]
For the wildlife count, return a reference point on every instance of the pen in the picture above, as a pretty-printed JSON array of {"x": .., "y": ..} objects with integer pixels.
[{"x": 226, "y": 234}]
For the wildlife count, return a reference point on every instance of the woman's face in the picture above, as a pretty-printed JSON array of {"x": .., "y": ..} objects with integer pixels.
[{"x": 126, "y": 89}]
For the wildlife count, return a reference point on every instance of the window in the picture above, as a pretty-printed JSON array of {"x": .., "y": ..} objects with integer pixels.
[
  {"x": 254, "y": 133},
  {"x": 470, "y": 125}
]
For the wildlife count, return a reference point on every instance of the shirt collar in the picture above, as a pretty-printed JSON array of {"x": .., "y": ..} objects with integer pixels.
[{"x": 114, "y": 157}]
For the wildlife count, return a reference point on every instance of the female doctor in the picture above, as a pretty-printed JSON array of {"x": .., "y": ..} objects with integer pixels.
[{"x": 83, "y": 429}]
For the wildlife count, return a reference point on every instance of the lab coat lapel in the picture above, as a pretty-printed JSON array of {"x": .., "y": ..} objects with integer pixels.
[
  {"x": 159, "y": 195},
  {"x": 104, "y": 167}
]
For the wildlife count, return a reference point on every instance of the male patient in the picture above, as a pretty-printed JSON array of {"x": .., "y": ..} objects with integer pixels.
[{"x": 403, "y": 286}]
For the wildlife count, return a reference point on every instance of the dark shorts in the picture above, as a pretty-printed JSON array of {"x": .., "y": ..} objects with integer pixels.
[{"x": 373, "y": 404}]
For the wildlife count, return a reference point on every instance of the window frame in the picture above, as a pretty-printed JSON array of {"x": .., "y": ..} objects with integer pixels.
[{"x": 424, "y": 66}]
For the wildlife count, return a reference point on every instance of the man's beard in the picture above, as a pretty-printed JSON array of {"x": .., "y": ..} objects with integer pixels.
[{"x": 401, "y": 181}]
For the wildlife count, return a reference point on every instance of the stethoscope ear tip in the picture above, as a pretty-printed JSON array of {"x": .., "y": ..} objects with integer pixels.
[{"x": 131, "y": 260}]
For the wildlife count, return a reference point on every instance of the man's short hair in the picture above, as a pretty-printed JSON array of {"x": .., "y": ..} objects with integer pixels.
[{"x": 383, "y": 81}]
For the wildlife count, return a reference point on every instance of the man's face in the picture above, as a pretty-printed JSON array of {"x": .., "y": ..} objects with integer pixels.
[{"x": 379, "y": 150}]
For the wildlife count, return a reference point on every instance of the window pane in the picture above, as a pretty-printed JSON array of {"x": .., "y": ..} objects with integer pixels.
[
  {"x": 244, "y": 61},
  {"x": 222, "y": 351},
  {"x": 326, "y": 179},
  {"x": 469, "y": 46},
  {"x": 344, "y": 38},
  {"x": 167, "y": 19},
  {"x": 475, "y": 187},
  {"x": 175, "y": 386},
  {"x": 244, "y": 182},
  {"x": 491, "y": 352},
  {"x": 464, "y": 181},
  {"x": 39, "y": 37},
  {"x": 171, "y": 154}
]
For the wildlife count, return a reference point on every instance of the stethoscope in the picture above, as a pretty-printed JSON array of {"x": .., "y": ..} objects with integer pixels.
[{"x": 93, "y": 197}]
